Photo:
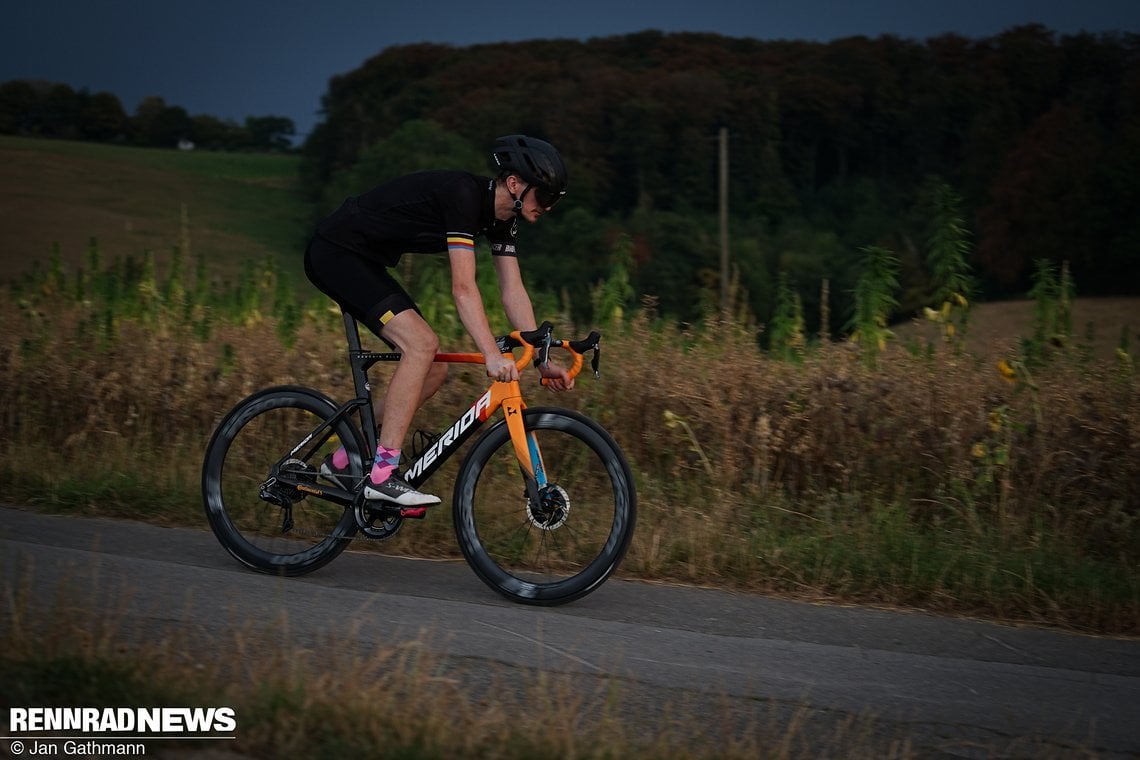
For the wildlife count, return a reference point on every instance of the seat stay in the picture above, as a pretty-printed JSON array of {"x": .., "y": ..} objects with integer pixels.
[{"x": 319, "y": 435}]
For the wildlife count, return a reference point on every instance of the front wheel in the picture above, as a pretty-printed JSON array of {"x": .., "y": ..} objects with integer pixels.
[
  {"x": 564, "y": 544},
  {"x": 256, "y": 474}
]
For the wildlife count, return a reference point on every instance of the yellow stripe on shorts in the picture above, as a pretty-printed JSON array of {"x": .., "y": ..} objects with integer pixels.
[{"x": 386, "y": 317}]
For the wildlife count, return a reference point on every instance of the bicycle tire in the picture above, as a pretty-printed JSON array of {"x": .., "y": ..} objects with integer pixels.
[
  {"x": 571, "y": 543},
  {"x": 254, "y": 436}
]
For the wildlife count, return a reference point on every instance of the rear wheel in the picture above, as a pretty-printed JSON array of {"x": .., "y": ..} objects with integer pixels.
[
  {"x": 564, "y": 544},
  {"x": 253, "y": 489}
]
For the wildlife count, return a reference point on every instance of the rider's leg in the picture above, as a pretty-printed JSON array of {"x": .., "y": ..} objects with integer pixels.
[
  {"x": 435, "y": 379},
  {"x": 417, "y": 344},
  {"x": 364, "y": 287},
  {"x": 409, "y": 386}
]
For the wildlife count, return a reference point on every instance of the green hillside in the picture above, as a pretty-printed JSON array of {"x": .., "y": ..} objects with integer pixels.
[{"x": 226, "y": 206}]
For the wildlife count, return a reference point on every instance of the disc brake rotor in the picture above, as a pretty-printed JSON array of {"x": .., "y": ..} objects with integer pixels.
[{"x": 551, "y": 511}]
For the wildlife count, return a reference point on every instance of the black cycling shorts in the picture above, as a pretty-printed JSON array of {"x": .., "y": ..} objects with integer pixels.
[{"x": 362, "y": 287}]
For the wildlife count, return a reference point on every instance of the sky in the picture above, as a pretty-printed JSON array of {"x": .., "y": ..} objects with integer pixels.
[{"x": 237, "y": 58}]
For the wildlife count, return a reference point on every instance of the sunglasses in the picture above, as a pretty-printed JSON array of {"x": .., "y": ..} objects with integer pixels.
[{"x": 547, "y": 199}]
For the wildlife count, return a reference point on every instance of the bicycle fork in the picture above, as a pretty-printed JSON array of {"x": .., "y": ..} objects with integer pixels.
[{"x": 526, "y": 448}]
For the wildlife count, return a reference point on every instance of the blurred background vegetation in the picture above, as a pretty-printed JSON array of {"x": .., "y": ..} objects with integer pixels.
[{"x": 832, "y": 147}]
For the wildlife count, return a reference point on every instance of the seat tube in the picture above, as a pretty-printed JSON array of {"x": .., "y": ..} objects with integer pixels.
[{"x": 360, "y": 378}]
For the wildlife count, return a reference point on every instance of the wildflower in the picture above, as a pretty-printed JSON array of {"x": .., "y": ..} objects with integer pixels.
[
  {"x": 995, "y": 421},
  {"x": 979, "y": 450},
  {"x": 1007, "y": 371}
]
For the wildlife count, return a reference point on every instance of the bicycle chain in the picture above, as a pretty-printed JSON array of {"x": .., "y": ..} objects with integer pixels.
[{"x": 358, "y": 536}]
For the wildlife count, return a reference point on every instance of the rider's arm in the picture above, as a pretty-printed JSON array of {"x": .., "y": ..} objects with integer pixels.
[
  {"x": 516, "y": 300},
  {"x": 520, "y": 311},
  {"x": 469, "y": 304}
]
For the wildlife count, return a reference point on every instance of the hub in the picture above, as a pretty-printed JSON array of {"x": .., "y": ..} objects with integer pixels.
[{"x": 552, "y": 510}]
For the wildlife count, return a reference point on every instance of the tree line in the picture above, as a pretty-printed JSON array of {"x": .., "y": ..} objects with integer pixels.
[
  {"x": 47, "y": 109},
  {"x": 833, "y": 147}
]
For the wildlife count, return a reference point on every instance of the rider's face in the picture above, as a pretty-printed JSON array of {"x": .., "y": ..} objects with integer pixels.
[{"x": 532, "y": 209}]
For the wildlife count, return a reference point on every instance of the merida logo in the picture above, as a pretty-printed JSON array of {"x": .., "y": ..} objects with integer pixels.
[{"x": 455, "y": 433}]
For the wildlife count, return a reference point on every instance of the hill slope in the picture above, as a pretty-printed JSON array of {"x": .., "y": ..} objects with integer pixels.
[{"x": 133, "y": 199}]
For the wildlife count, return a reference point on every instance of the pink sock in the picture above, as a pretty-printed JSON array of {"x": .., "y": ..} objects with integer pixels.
[
  {"x": 340, "y": 458},
  {"x": 386, "y": 462}
]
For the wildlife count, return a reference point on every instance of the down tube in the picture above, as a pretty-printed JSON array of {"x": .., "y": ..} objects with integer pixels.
[{"x": 448, "y": 442}]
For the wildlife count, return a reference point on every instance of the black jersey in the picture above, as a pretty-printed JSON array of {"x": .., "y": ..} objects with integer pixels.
[{"x": 425, "y": 212}]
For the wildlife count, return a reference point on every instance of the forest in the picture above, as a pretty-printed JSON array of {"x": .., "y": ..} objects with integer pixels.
[
  {"x": 832, "y": 147},
  {"x": 57, "y": 110},
  {"x": 1024, "y": 147}
]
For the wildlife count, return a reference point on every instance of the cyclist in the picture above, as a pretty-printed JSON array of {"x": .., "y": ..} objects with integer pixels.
[{"x": 352, "y": 250}]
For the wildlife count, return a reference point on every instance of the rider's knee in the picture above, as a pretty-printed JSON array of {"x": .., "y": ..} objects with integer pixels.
[{"x": 424, "y": 346}]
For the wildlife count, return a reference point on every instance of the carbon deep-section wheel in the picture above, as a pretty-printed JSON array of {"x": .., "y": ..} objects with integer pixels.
[
  {"x": 564, "y": 544},
  {"x": 254, "y": 490}
]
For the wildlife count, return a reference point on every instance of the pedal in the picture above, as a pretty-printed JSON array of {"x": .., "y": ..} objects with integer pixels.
[{"x": 414, "y": 513}]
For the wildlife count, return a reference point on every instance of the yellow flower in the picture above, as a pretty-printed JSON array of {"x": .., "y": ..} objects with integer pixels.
[
  {"x": 995, "y": 421},
  {"x": 1007, "y": 371},
  {"x": 979, "y": 450}
]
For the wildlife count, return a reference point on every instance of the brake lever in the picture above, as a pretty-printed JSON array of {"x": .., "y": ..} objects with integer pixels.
[{"x": 544, "y": 351}]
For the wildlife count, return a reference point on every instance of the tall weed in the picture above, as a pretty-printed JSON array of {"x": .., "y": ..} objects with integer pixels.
[{"x": 938, "y": 480}]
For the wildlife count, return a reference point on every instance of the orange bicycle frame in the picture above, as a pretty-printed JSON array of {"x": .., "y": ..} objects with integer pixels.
[{"x": 505, "y": 395}]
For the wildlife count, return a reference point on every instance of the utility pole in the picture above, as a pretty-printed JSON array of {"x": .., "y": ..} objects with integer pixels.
[{"x": 724, "y": 221}]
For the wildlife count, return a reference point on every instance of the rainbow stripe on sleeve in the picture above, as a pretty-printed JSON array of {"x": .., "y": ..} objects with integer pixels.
[{"x": 459, "y": 241}]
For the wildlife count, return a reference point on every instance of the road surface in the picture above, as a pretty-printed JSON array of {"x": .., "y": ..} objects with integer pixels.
[{"x": 947, "y": 685}]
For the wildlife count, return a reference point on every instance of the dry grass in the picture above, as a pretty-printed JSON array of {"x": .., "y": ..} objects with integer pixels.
[{"x": 929, "y": 481}]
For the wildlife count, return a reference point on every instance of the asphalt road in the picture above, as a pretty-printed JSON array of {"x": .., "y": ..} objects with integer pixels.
[{"x": 949, "y": 686}]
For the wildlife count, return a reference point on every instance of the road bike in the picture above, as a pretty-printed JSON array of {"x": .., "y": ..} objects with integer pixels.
[{"x": 544, "y": 503}]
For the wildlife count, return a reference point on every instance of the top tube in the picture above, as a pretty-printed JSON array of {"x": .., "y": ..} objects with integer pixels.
[{"x": 532, "y": 341}]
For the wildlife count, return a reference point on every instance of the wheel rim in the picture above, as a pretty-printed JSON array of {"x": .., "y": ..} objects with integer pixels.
[
  {"x": 272, "y": 523},
  {"x": 567, "y": 543}
]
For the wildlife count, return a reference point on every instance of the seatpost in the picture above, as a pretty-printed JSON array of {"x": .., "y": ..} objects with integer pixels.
[{"x": 352, "y": 332}]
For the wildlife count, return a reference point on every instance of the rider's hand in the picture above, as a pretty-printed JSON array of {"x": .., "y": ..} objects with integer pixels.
[
  {"x": 557, "y": 378},
  {"x": 501, "y": 368}
]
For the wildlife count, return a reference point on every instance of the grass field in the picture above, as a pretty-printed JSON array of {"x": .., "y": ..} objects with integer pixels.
[
  {"x": 996, "y": 329},
  {"x": 230, "y": 205}
]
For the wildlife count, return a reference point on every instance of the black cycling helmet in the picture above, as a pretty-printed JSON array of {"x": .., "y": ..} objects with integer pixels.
[{"x": 536, "y": 162}]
